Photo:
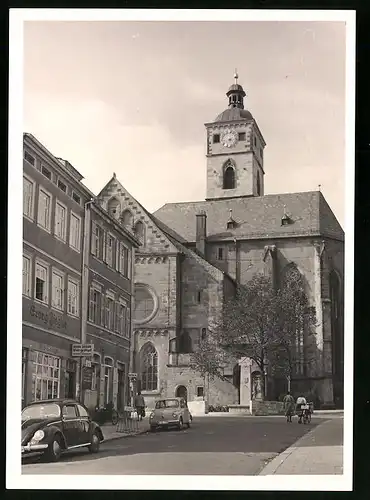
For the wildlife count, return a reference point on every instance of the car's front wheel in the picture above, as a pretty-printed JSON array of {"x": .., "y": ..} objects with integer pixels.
[
  {"x": 180, "y": 424},
  {"x": 95, "y": 443},
  {"x": 54, "y": 451},
  {"x": 153, "y": 428}
]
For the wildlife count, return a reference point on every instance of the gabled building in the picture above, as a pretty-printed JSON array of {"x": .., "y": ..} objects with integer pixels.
[
  {"x": 193, "y": 254},
  {"x": 178, "y": 293},
  {"x": 77, "y": 286}
]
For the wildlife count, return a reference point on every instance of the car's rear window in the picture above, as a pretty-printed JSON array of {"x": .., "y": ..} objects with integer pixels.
[
  {"x": 167, "y": 403},
  {"x": 45, "y": 410}
]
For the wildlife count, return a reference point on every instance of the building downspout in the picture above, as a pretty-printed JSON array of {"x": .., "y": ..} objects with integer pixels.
[
  {"x": 132, "y": 361},
  {"x": 84, "y": 287}
]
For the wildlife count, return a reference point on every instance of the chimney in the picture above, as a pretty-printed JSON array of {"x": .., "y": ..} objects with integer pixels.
[{"x": 201, "y": 232}]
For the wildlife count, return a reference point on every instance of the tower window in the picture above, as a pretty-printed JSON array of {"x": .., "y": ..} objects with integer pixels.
[
  {"x": 241, "y": 136},
  {"x": 220, "y": 253},
  {"x": 229, "y": 178},
  {"x": 261, "y": 153},
  {"x": 216, "y": 138},
  {"x": 255, "y": 141}
]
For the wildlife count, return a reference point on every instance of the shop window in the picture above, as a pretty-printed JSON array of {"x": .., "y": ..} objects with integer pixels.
[{"x": 46, "y": 377}]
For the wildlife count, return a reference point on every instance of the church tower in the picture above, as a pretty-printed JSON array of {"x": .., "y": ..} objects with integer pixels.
[{"x": 234, "y": 151}]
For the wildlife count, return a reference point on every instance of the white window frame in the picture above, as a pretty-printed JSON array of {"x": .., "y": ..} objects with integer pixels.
[
  {"x": 109, "y": 255},
  {"x": 123, "y": 253},
  {"x": 28, "y": 291},
  {"x": 129, "y": 263},
  {"x": 48, "y": 222},
  {"x": 96, "y": 241},
  {"x": 45, "y": 265},
  {"x": 40, "y": 367},
  {"x": 30, "y": 216},
  {"x": 109, "y": 295},
  {"x": 75, "y": 282},
  {"x": 63, "y": 236},
  {"x": 97, "y": 288},
  {"x": 61, "y": 275},
  {"x": 73, "y": 214}
]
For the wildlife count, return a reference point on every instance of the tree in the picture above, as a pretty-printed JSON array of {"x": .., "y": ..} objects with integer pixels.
[
  {"x": 262, "y": 323},
  {"x": 291, "y": 350}
]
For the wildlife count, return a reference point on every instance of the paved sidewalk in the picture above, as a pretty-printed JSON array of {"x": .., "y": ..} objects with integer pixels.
[
  {"x": 320, "y": 451},
  {"x": 110, "y": 431}
]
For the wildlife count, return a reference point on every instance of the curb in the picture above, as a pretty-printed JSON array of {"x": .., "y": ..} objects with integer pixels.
[
  {"x": 278, "y": 461},
  {"x": 125, "y": 435}
]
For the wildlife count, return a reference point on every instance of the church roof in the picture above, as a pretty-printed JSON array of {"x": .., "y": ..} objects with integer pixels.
[
  {"x": 255, "y": 217},
  {"x": 234, "y": 114}
]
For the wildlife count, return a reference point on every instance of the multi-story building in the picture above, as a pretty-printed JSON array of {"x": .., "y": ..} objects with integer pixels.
[{"x": 56, "y": 250}]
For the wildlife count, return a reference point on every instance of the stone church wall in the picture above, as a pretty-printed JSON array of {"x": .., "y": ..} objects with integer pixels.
[{"x": 160, "y": 274}]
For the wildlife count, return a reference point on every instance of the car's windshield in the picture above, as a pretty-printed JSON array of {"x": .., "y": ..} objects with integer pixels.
[
  {"x": 45, "y": 410},
  {"x": 167, "y": 403}
]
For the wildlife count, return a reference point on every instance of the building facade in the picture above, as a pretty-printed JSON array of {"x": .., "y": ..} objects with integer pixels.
[
  {"x": 55, "y": 253},
  {"x": 194, "y": 254}
]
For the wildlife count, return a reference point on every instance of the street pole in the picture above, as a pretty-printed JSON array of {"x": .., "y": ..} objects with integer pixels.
[{"x": 85, "y": 284}]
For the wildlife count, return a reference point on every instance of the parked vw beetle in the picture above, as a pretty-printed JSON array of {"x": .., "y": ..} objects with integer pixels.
[
  {"x": 56, "y": 425},
  {"x": 170, "y": 412}
]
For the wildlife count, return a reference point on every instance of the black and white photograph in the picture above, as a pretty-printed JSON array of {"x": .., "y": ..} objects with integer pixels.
[{"x": 184, "y": 311}]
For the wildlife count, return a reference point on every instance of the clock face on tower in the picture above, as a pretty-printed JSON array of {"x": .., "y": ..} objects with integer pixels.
[{"x": 229, "y": 138}]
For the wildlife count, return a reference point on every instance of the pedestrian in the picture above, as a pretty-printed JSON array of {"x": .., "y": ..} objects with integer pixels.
[
  {"x": 288, "y": 406},
  {"x": 139, "y": 406},
  {"x": 301, "y": 400}
]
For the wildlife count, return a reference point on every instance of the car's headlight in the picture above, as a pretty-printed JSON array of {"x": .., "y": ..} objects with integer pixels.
[
  {"x": 151, "y": 415},
  {"x": 175, "y": 415},
  {"x": 38, "y": 436}
]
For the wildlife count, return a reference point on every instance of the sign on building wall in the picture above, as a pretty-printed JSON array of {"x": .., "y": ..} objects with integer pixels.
[{"x": 82, "y": 349}]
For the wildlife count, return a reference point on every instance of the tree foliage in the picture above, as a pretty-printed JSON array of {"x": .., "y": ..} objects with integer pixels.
[{"x": 271, "y": 326}]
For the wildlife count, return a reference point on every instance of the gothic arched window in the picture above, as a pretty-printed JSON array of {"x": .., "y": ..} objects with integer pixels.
[
  {"x": 337, "y": 339},
  {"x": 140, "y": 231},
  {"x": 149, "y": 368},
  {"x": 114, "y": 208},
  {"x": 291, "y": 274},
  {"x": 292, "y": 278},
  {"x": 229, "y": 177},
  {"x": 126, "y": 218}
]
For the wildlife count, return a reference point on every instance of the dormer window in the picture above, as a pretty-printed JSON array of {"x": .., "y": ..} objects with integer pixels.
[
  {"x": 286, "y": 220},
  {"x": 241, "y": 136},
  {"x": 216, "y": 138}
]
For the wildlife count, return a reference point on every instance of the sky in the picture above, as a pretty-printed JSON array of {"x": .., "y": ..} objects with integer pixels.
[{"x": 133, "y": 97}]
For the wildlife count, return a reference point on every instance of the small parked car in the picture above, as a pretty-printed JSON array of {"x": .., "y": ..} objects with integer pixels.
[
  {"x": 54, "y": 426},
  {"x": 170, "y": 412}
]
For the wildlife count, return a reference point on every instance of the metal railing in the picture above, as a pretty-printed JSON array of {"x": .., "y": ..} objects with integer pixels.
[{"x": 127, "y": 422}]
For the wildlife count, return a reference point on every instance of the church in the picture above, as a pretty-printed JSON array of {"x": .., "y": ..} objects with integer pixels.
[{"x": 194, "y": 254}]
